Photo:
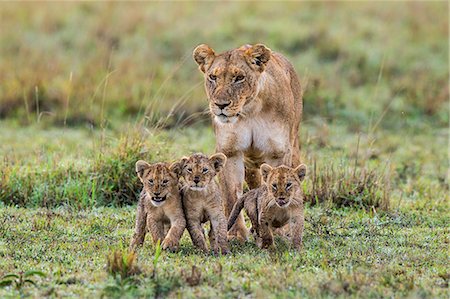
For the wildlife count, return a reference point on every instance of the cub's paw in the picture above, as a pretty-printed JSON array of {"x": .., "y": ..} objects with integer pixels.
[
  {"x": 169, "y": 244},
  {"x": 221, "y": 250}
]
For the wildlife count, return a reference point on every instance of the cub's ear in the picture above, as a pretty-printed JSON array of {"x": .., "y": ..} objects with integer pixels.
[
  {"x": 141, "y": 166},
  {"x": 258, "y": 55},
  {"x": 265, "y": 169},
  {"x": 204, "y": 56},
  {"x": 300, "y": 171},
  {"x": 218, "y": 161},
  {"x": 176, "y": 168}
]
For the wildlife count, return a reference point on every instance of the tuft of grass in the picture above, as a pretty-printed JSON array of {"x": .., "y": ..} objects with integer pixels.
[
  {"x": 21, "y": 279},
  {"x": 122, "y": 264},
  {"x": 344, "y": 186}
]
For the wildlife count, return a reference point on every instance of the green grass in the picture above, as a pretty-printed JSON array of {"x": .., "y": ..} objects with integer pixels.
[
  {"x": 346, "y": 252},
  {"x": 86, "y": 89},
  {"x": 94, "y": 64}
]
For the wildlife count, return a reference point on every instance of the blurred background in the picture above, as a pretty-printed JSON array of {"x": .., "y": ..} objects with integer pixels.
[
  {"x": 83, "y": 64},
  {"x": 86, "y": 89}
]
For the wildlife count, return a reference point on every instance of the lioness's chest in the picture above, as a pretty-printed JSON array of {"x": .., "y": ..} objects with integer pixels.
[{"x": 255, "y": 134}]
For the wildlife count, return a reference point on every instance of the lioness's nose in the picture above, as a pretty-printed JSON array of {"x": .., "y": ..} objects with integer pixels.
[{"x": 221, "y": 106}]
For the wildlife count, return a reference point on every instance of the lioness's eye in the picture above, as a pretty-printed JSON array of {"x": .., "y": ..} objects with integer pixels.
[
  {"x": 274, "y": 187},
  {"x": 212, "y": 77},
  {"x": 288, "y": 186},
  {"x": 205, "y": 170},
  {"x": 239, "y": 78}
]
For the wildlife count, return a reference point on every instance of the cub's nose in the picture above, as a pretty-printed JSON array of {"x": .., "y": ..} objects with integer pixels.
[
  {"x": 196, "y": 179},
  {"x": 156, "y": 194},
  {"x": 221, "y": 106}
]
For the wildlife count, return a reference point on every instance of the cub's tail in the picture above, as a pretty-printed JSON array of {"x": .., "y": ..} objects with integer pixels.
[{"x": 237, "y": 208}]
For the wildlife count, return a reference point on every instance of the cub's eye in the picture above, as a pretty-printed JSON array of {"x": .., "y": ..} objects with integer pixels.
[
  {"x": 189, "y": 170},
  {"x": 205, "y": 170},
  {"x": 150, "y": 182},
  {"x": 274, "y": 187},
  {"x": 212, "y": 77},
  {"x": 165, "y": 182},
  {"x": 239, "y": 78},
  {"x": 288, "y": 186}
]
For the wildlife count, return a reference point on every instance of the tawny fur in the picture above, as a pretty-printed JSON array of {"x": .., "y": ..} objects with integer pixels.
[
  {"x": 279, "y": 201},
  {"x": 255, "y": 99},
  {"x": 202, "y": 201},
  {"x": 159, "y": 209}
]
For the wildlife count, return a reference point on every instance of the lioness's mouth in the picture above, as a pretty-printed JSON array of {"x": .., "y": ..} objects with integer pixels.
[
  {"x": 227, "y": 118},
  {"x": 159, "y": 199}
]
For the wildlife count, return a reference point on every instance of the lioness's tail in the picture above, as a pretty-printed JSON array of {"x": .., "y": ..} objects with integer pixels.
[{"x": 237, "y": 208}]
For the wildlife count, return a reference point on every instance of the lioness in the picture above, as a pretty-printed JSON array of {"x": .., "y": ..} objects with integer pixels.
[
  {"x": 277, "y": 202},
  {"x": 202, "y": 200},
  {"x": 255, "y": 99},
  {"x": 160, "y": 208}
]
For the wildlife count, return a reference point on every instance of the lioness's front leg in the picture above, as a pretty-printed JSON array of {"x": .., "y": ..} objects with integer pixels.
[
  {"x": 141, "y": 226},
  {"x": 231, "y": 179},
  {"x": 296, "y": 224}
]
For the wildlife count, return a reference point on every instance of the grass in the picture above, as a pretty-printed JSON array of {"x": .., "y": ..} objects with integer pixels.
[
  {"x": 99, "y": 61},
  {"x": 346, "y": 253},
  {"x": 86, "y": 89}
]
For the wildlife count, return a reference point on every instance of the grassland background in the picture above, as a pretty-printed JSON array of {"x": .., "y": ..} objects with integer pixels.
[{"x": 86, "y": 89}]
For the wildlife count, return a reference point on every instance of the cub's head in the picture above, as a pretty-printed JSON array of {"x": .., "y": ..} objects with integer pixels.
[
  {"x": 283, "y": 182},
  {"x": 158, "y": 180},
  {"x": 232, "y": 78},
  {"x": 198, "y": 170}
]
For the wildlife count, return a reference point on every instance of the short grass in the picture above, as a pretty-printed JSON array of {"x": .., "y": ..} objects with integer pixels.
[
  {"x": 86, "y": 89},
  {"x": 346, "y": 253},
  {"x": 355, "y": 249}
]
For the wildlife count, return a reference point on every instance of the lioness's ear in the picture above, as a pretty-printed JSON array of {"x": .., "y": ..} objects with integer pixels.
[
  {"x": 300, "y": 171},
  {"x": 265, "y": 169},
  {"x": 258, "y": 55},
  {"x": 218, "y": 161},
  {"x": 204, "y": 56},
  {"x": 141, "y": 166}
]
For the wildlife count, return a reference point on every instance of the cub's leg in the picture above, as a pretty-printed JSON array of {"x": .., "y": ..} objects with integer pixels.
[
  {"x": 296, "y": 225},
  {"x": 156, "y": 228},
  {"x": 219, "y": 229},
  {"x": 197, "y": 235},
  {"x": 212, "y": 239},
  {"x": 265, "y": 232},
  {"x": 140, "y": 228},
  {"x": 172, "y": 239}
]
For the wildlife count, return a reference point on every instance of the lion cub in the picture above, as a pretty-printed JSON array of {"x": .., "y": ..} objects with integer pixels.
[
  {"x": 202, "y": 200},
  {"x": 159, "y": 210},
  {"x": 277, "y": 202}
]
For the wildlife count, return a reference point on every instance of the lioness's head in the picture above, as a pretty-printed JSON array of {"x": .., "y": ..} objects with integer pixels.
[
  {"x": 158, "y": 180},
  {"x": 198, "y": 170},
  {"x": 282, "y": 182},
  {"x": 232, "y": 78}
]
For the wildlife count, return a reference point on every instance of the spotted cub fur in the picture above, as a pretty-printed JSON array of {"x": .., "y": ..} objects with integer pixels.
[
  {"x": 160, "y": 209},
  {"x": 202, "y": 200},
  {"x": 277, "y": 202}
]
